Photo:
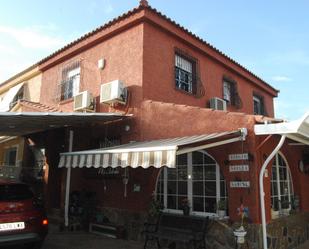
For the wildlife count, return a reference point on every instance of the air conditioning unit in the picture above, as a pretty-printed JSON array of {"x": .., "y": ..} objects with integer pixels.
[
  {"x": 83, "y": 101},
  {"x": 113, "y": 92},
  {"x": 217, "y": 104}
]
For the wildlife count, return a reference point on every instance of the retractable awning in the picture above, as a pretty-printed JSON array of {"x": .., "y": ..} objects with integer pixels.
[
  {"x": 22, "y": 123},
  {"x": 297, "y": 130},
  {"x": 156, "y": 153}
]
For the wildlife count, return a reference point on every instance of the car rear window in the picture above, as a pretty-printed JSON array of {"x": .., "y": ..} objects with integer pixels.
[{"x": 15, "y": 192}]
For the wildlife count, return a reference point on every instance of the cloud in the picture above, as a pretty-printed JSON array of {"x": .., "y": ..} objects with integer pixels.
[
  {"x": 32, "y": 37},
  {"x": 281, "y": 78}
]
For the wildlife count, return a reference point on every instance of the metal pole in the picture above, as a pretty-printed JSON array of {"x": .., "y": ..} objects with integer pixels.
[
  {"x": 68, "y": 181},
  {"x": 262, "y": 194}
]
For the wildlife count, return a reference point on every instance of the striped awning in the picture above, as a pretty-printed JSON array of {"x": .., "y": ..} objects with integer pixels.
[{"x": 156, "y": 153}]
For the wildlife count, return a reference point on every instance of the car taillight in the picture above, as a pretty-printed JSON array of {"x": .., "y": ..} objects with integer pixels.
[{"x": 45, "y": 222}]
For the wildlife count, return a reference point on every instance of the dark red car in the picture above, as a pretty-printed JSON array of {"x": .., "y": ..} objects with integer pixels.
[{"x": 22, "y": 217}]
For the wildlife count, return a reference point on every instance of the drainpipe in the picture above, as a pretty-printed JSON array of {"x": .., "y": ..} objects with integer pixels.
[
  {"x": 68, "y": 182},
  {"x": 262, "y": 194}
]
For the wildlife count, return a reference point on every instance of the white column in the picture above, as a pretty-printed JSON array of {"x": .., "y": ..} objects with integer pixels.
[
  {"x": 262, "y": 194},
  {"x": 68, "y": 182}
]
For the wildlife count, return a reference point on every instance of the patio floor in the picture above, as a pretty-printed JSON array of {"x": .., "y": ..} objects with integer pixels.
[{"x": 83, "y": 240}]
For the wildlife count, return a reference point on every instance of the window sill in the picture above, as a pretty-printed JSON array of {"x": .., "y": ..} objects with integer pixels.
[{"x": 185, "y": 92}]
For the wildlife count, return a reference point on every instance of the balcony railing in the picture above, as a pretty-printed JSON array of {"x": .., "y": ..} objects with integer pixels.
[
  {"x": 18, "y": 172},
  {"x": 10, "y": 171}
]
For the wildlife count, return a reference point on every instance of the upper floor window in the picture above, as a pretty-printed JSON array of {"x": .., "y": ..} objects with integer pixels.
[
  {"x": 185, "y": 74},
  {"x": 258, "y": 105},
  {"x": 70, "y": 81},
  {"x": 229, "y": 91},
  {"x": 196, "y": 178}
]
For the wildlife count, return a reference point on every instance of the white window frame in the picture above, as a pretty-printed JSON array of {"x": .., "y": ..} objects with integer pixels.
[
  {"x": 278, "y": 180},
  {"x": 190, "y": 187},
  {"x": 227, "y": 91},
  {"x": 185, "y": 66},
  {"x": 74, "y": 76}
]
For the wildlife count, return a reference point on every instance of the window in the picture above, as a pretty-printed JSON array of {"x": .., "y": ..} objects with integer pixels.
[
  {"x": 258, "y": 105},
  {"x": 185, "y": 74},
  {"x": 281, "y": 185},
  {"x": 229, "y": 91},
  {"x": 197, "y": 178},
  {"x": 10, "y": 155},
  {"x": 70, "y": 81}
]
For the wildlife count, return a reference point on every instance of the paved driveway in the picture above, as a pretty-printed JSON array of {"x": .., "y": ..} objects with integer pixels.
[{"x": 82, "y": 240}]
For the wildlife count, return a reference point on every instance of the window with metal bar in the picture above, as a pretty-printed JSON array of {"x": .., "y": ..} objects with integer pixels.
[
  {"x": 70, "y": 81},
  {"x": 258, "y": 105},
  {"x": 185, "y": 74}
]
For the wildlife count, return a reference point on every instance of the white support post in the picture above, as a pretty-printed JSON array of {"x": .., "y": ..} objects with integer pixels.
[
  {"x": 68, "y": 182},
  {"x": 262, "y": 194}
]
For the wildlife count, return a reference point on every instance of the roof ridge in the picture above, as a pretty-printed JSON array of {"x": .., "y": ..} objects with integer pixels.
[{"x": 144, "y": 5}]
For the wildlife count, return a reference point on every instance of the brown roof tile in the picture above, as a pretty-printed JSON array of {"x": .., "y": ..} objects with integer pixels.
[
  {"x": 144, "y": 5},
  {"x": 38, "y": 106}
]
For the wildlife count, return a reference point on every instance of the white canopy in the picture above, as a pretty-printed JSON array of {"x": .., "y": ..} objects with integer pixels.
[
  {"x": 156, "y": 153},
  {"x": 297, "y": 130},
  {"x": 9, "y": 97}
]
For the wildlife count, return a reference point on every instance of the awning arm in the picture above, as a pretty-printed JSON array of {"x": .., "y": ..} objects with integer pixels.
[
  {"x": 262, "y": 194},
  {"x": 68, "y": 184},
  {"x": 242, "y": 137}
]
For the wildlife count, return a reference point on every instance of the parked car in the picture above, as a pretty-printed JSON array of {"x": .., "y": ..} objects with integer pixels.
[{"x": 22, "y": 216}]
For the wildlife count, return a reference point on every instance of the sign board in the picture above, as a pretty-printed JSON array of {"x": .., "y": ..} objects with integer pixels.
[
  {"x": 235, "y": 157},
  {"x": 239, "y": 168},
  {"x": 108, "y": 171},
  {"x": 240, "y": 184}
]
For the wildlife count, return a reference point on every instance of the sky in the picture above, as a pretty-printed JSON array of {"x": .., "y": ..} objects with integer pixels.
[{"x": 270, "y": 38}]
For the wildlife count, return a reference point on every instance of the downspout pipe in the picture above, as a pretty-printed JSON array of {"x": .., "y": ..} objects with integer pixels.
[{"x": 262, "y": 194}]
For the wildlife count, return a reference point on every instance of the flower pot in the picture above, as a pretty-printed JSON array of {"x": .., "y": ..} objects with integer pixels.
[
  {"x": 221, "y": 214},
  {"x": 186, "y": 210},
  {"x": 240, "y": 234}
]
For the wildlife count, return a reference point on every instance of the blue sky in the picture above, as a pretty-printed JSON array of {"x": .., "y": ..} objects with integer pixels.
[{"x": 270, "y": 38}]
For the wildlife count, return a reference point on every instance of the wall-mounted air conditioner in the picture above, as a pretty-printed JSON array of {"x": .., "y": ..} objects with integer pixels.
[
  {"x": 113, "y": 92},
  {"x": 83, "y": 101},
  {"x": 217, "y": 104}
]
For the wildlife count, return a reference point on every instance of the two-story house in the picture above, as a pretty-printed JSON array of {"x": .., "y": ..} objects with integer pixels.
[{"x": 182, "y": 129}]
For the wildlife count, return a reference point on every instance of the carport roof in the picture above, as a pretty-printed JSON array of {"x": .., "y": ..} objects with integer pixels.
[
  {"x": 23, "y": 123},
  {"x": 297, "y": 130}
]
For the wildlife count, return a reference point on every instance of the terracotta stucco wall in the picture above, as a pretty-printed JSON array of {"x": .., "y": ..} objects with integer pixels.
[
  {"x": 123, "y": 56},
  {"x": 32, "y": 88},
  {"x": 159, "y": 74}
]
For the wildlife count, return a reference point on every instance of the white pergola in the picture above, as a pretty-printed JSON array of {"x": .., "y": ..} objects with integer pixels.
[{"x": 297, "y": 130}]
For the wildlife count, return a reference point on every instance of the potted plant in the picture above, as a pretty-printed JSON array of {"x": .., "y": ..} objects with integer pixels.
[
  {"x": 185, "y": 206},
  {"x": 241, "y": 232},
  {"x": 154, "y": 210},
  {"x": 221, "y": 208}
]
